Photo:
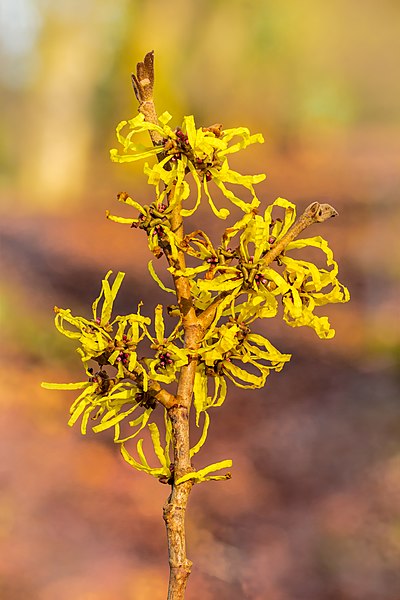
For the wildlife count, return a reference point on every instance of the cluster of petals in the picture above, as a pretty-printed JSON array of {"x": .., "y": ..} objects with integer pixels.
[
  {"x": 242, "y": 277},
  {"x": 251, "y": 285},
  {"x": 203, "y": 152}
]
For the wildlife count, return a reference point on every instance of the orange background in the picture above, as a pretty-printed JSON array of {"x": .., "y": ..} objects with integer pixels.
[{"x": 312, "y": 511}]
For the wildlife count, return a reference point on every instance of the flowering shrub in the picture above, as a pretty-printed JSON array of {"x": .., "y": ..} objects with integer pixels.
[
  {"x": 235, "y": 274},
  {"x": 250, "y": 275}
]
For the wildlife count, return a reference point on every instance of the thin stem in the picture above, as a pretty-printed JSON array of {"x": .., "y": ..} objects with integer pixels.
[
  {"x": 174, "y": 511},
  {"x": 314, "y": 213},
  {"x": 175, "y": 506},
  {"x": 143, "y": 85}
]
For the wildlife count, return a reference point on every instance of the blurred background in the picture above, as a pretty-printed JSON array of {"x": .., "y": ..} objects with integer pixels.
[{"x": 313, "y": 509}]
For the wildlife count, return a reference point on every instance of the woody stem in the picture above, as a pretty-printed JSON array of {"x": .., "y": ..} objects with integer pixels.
[{"x": 175, "y": 506}]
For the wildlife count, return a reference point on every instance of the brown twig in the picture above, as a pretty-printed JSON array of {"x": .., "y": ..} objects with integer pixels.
[
  {"x": 175, "y": 507},
  {"x": 314, "y": 213},
  {"x": 178, "y": 412},
  {"x": 143, "y": 86}
]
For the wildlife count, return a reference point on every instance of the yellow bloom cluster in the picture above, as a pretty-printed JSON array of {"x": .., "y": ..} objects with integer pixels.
[
  {"x": 203, "y": 152},
  {"x": 242, "y": 271},
  {"x": 253, "y": 273},
  {"x": 114, "y": 343},
  {"x": 110, "y": 401}
]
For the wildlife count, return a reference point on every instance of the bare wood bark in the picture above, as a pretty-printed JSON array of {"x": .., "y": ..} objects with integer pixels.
[
  {"x": 174, "y": 511},
  {"x": 143, "y": 85},
  {"x": 175, "y": 507}
]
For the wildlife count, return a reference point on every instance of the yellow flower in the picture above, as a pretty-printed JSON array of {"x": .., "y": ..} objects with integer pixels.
[
  {"x": 234, "y": 341},
  {"x": 310, "y": 287},
  {"x": 113, "y": 343},
  {"x": 97, "y": 337},
  {"x": 109, "y": 399},
  {"x": 203, "y": 152},
  {"x": 241, "y": 270},
  {"x": 153, "y": 219},
  {"x": 169, "y": 357}
]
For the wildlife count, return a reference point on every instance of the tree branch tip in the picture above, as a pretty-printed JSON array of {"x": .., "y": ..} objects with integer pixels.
[
  {"x": 143, "y": 80},
  {"x": 320, "y": 212}
]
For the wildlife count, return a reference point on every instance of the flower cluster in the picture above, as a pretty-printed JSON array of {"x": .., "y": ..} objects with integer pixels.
[
  {"x": 201, "y": 152},
  {"x": 110, "y": 401},
  {"x": 243, "y": 270},
  {"x": 105, "y": 342},
  {"x": 233, "y": 342},
  {"x": 154, "y": 219},
  {"x": 253, "y": 273},
  {"x": 169, "y": 356}
]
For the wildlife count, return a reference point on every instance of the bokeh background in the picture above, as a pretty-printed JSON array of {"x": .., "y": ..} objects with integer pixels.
[{"x": 313, "y": 509}]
